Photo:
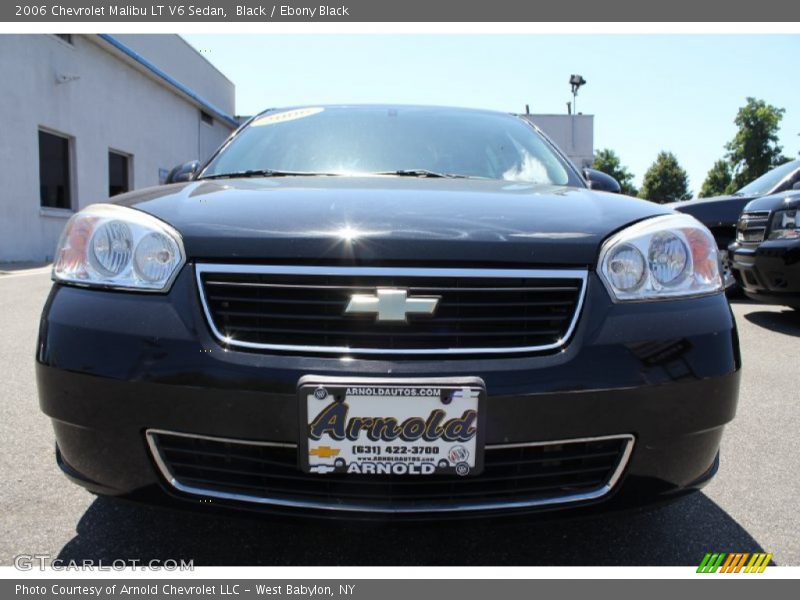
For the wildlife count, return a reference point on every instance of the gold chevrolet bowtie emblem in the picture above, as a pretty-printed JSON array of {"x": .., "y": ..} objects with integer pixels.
[
  {"x": 391, "y": 304},
  {"x": 324, "y": 452}
]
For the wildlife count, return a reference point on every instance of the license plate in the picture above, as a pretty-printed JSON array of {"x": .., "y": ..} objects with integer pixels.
[{"x": 398, "y": 427}]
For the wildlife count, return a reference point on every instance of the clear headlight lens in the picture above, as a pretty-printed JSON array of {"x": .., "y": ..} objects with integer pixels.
[
  {"x": 626, "y": 267},
  {"x": 113, "y": 246},
  {"x": 155, "y": 257},
  {"x": 664, "y": 257},
  {"x": 667, "y": 258},
  {"x": 784, "y": 225}
]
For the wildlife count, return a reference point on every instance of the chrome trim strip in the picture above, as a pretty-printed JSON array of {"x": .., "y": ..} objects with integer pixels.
[
  {"x": 580, "y": 274},
  {"x": 220, "y": 439},
  {"x": 366, "y": 508}
]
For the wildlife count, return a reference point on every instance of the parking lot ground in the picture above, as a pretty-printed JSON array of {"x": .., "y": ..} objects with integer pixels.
[{"x": 752, "y": 504}]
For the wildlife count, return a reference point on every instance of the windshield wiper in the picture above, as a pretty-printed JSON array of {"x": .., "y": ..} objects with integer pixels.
[
  {"x": 264, "y": 173},
  {"x": 421, "y": 173},
  {"x": 279, "y": 173}
]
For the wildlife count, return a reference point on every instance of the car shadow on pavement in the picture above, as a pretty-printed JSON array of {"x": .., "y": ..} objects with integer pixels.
[
  {"x": 786, "y": 322},
  {"x": 677, "y": 534}
]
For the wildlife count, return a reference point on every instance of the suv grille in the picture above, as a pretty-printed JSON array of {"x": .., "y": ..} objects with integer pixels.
[
  {"x": 479, "y": 311},
  {"x": 752, "y": 226},
  {"x": 514, "y": 476}
]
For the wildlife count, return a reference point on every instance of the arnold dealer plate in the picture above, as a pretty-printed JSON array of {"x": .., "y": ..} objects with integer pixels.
[{"x": 396, "y": 427}]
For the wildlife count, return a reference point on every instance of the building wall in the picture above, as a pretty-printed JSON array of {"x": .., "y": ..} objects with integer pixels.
[
  {"x": 574, "y": 134},
  {"x": 103, "y": 103},
  {"x": 175, "y": 56}
]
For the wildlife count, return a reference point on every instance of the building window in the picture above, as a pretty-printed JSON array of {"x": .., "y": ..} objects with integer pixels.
[
  {"x": 206, "y": 118},
  {"x": 67, "y": 37},
  {"x": 118, "y": 173},
  {"x": 54, "y": 171}
]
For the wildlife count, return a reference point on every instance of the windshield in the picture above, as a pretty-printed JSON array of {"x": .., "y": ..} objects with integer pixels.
[
  {"x": 767, "y": 182},
  {"x": 400, "y": 141}
]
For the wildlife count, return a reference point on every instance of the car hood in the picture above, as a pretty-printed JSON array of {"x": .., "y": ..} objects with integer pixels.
[
  {"x": 783, "y": 200},
  {"x": 715, "y": 211},
  {"x": 389, "y": 220}
]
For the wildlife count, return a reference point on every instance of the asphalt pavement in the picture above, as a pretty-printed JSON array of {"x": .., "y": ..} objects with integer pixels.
[{"x": 752, "y": 504}]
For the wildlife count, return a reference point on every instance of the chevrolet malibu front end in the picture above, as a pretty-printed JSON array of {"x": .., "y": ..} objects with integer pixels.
[{"x": 373, "y": 311}]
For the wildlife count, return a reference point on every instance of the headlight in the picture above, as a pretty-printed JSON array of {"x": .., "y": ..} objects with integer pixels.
[
  {"x": 660, "y": 258},
  {"x": 784, "y": 225},
  {"x": 113, "y": 246}
]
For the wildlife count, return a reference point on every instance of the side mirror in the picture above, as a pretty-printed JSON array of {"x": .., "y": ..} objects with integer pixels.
[
  {"x": 796, "y": 186},
  {"x": 601, "y": 182},
  {"x": 184, "y": 172}
]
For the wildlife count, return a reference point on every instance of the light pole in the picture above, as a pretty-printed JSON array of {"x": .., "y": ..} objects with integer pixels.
[{"x": 576, "y": 81}]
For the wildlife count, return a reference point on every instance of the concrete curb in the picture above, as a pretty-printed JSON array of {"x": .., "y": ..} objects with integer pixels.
[{"x": 23, "y": 268}]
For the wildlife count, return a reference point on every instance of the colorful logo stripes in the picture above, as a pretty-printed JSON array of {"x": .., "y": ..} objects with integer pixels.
[{"x": 734, "y": 562}]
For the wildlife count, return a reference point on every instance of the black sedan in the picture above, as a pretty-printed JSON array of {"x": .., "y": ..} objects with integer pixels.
[
  {"x": 721, "y": 213},
  {"x": 387, "y": 310},
  {"x": 766, "y": 253}
]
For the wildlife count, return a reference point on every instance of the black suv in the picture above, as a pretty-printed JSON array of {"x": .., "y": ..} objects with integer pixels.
[
  {"x": 766, "y": 253},
  {"x": 721, "y": 213}
]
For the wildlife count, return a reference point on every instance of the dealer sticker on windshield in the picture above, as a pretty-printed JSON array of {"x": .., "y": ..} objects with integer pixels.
[{"x": 391, "y": 427}]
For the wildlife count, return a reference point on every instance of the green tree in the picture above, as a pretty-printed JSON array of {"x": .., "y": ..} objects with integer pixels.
[
  {"x": 754, "y": 150},
  {"x": 665, "y": 180},
  {"x": 718, "y": 179},
  {"x": 608, "y": 162}
]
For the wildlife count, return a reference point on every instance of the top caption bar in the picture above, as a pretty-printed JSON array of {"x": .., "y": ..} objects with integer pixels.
[{"x": 465, "y": 11}]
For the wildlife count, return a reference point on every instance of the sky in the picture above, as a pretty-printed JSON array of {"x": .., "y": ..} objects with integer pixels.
[{"x": 648, "y": 92}]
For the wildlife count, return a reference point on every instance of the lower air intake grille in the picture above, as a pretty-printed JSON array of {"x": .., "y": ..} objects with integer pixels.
[{"x": 514, "y": 476}]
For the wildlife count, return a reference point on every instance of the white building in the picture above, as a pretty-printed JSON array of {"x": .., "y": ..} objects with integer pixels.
[
  {"x": 574, "y": 134},
  {"x": 84, "y": 117}
]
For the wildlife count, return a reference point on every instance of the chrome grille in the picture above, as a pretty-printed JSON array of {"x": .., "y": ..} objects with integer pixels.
[
  {"x": 302, "y": 309},
  {"x": 752, "y": 226},
  {"x": 514, "y": 476}
]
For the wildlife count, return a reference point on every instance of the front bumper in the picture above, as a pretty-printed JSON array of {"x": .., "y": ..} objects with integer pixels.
[
  {"x": 769, "y": 272},
  {"x": 112, "y": 365}
]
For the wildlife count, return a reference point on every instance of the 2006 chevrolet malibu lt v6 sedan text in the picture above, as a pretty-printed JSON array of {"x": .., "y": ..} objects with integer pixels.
[{"x": 375, "y": 310}]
